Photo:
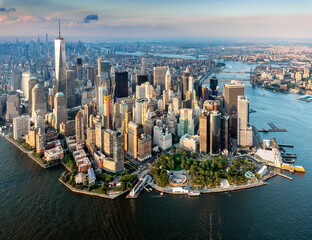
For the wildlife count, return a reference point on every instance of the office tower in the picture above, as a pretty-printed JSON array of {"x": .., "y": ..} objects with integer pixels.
[
  {"x": 79, "y": 124},
  {"x": 32, "y": 83},
  {"x": 105, "y": 75},
  {"x": 108, "y": 112},
  {"x": 244, "y": 130},
  {"x": 47, "y": 40},
  {"x": 171, "y": 120},
  {"x": 121, "y": 87},
  {"x": 231, "y": 92},
  {"x": 102, "y": 91},
  {"x": 204, "y": 93},
  {"x": 143, "y": 69},
  {"x": 21, "y": 126},
  {"x": 161, "y": 136},
  {"x": 177, "y": 104},
  {"x": 87, "y": 113},
  {"x": 15, "y": 80},
  {"x": 160, "y": 76},
  {"x": 79, "y": 68},
  {"x": 204, "y": 133},
  {"x": 185, "y": 82},
  {"x": 13, "y": 106},
  {"x": 215, "y": 132},
  {"x": 225, "y": 133},
  {"x": 70, "y": 88},
  {"x": 168, "y": 80},
  {"x": 25, "y": 84},
  {"x": 60, "y": 63},
  {"x": 191, "y": 84},
  {"x": 213, "y": 85},
  {"x": 140, "y": 105},
  {"x": 91, "y": 74},
  {"x": 142, "y": 79},
  {"x": 59, "y": 110},
  {"x": 125, "y": 124},
  {"x": 212, "y": 105},
  {"x": 114, "y": 149},
  {"x": 134, "y": 131},
  {"x": 99, "y": 137},
  {"x": 187, "y": 123},
  {"x": 38, "y": 100}
]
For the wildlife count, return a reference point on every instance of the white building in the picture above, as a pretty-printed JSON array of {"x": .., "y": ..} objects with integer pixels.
[
  {"x": 161, "y": 136},
  {"x": 190, "y": 142},
  {"x": 21, "y": 126}
]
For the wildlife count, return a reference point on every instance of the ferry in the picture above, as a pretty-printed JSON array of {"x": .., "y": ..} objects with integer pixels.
[
  {"x": 292, "y": 168},
  {"x": 194, "y": 193}
]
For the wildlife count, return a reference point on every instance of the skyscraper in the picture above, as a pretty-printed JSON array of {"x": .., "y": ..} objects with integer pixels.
[
  {"x": 231, "y": 92},
  {"x": 59, "y": 110},
  {"x": 38, "y": 99},
  {"x": 79, "y": 68},
  {"x": 31, "y": 84},
  {"x": 215, "y": 132},
  {"x": 134, "y": 131},
  {"x": 70, "y": 88},
  {"x": 213, "y": 85},
  {"x": 108, "y": 112},
  {"x": 15, "y": 80},
  {"x": 204, "y": 133},
  {"x": 121, "y": 87},
  {"x": 244, "y": 130},
  {"x": 143, "y": 69},
  {"x": 105, "y": 68},
  {"x": 185, "y": 82},
  {"x": 60, "y": 63},
  {"x": 160, "y": 76},
  {"x": 168, "y": 80},
  {"x": 79, "y": 128}
]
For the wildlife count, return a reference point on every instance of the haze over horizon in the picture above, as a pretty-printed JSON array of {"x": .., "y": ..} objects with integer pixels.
[{"x": 98, "y": 20}]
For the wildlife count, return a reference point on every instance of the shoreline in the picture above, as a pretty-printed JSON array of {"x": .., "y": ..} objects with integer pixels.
[
  {"x": 215, "y": 190},
  {"x": 93, "y": 193},
  {"x": 27, "y": 152}
]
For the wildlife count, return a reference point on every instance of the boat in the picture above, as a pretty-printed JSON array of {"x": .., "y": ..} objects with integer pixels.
[
  {"x": 289, "y": 160},
  {"x": 194, "y": 193},
  {"x": 263, "y": 94},
  {"x": 293, "y": 168},
  {"x": 162, "y": 193}
]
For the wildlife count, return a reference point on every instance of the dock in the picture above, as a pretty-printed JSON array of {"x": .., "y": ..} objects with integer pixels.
[
  {"x": 286, "y": 145},
  {"x": 285, "y": 176},
  {"x": 273, "y": 128},
  {"x": 135, "y": 192}
]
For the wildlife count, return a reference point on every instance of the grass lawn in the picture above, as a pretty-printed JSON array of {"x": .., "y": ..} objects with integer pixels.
[{"x": 99, "y": 190}]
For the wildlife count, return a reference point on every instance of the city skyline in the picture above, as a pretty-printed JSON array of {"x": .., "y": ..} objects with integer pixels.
[{"x": 100, "y": 20}]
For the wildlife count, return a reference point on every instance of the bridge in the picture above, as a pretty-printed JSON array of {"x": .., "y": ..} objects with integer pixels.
[
  {"x": 237, "y": 72},
  {"x": 225, "y": 81}
]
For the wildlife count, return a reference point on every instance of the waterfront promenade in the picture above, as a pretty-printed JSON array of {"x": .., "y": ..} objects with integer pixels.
[{"x": 169, "y": 190}]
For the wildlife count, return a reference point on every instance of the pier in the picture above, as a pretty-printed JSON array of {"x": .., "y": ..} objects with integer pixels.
[
  {"x": 134, "y": 193},
  {"x": 273, "y": 128}
]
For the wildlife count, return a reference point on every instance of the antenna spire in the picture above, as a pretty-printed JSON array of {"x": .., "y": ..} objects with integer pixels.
[{"x": 59, "y": 28}]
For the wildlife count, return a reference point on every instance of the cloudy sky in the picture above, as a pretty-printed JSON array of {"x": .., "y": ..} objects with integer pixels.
[{"x": 104, "y": 19}]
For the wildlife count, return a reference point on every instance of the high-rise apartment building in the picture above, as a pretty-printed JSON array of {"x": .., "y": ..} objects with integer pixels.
[{"x": 21, "y": 126}]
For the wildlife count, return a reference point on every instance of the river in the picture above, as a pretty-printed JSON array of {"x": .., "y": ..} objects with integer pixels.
[{"x": 35, "y": 205}]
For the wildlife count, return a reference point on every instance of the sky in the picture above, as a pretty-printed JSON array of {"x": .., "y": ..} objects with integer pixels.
[{"x": 140, "y": 19}]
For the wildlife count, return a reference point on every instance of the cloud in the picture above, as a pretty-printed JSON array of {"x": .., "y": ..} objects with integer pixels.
[
  {"x": 91, "y": 17},
  {"x": 7, "y": 9}
]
